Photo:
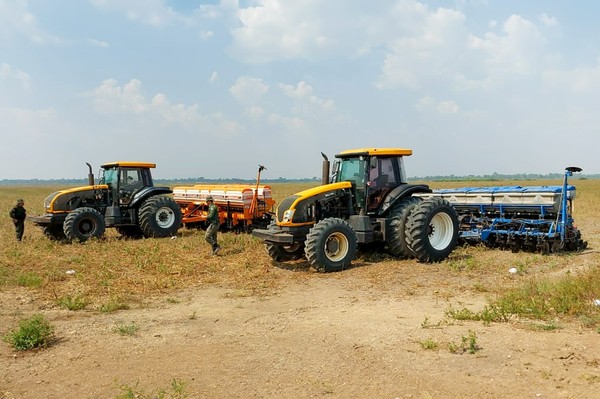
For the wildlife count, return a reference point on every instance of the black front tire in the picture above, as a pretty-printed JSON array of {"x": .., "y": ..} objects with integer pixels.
[
  {"x": 330, "y": 245},
  {"x": 432, "y": 230},
  {"x": 83, "y": 224},
  {"x": 396, "y": 240},
  {"x": 159, "y": 216}
]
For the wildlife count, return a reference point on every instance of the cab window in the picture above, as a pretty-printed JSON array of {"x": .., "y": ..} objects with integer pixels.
[
  {"x": 110, "y": 177},
  {"x": 131, "y": 179},
  {"x": 352, "y": 169}
]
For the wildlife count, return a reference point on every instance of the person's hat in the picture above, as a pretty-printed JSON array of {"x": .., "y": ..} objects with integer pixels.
[{"x": 209, "y": 198}]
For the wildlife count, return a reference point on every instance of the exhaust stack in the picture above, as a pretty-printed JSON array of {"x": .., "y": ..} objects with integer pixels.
[
  {"x": 325, "y": 175},
  {"x": 90, "y": 175}
]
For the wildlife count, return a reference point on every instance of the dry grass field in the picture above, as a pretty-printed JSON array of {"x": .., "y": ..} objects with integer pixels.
[{"x": 162, "y": 318}]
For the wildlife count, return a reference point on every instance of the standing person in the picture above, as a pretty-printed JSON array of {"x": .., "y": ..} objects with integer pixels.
[
  {"x": 18, "y": 215},
  {"x": 213, "y": 225}
]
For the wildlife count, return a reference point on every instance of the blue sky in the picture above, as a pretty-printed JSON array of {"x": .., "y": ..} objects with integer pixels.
[{"x": 214, "y": 88}]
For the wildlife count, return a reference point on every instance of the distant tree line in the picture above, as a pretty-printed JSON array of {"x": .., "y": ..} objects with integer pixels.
[
  {"x": 205, "y": 180},
  {"x": 166, "y": 182}
]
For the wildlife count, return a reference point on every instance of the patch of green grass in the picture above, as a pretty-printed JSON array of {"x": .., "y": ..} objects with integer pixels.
[
  {"x": 467, "y": 344},
  {"x": 428, "y": 324},
  {"x": 126, "y": 329},
  {"x": 34, "y": 332},
  {"x": 4, "y": 273},
  {"x": 489, "y": 314},
  {"x": 541, "y": 299},
  {"x": 477, "y": 287},
  {"x": 69, "y": 302},
  {"x": 429, "y": 344},
  {"x": 177, "y": 390},
  {"x": 113, "y": 305},
  {"x": 30, "y": 279},
  {"x": 590, "y": 321},
  {"x": 547, "y": 326},
  {"x": 465, "y": 264}
]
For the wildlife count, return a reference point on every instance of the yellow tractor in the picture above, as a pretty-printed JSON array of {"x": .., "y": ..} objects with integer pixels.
[
  {"x": 366, "y": 200},
  {"x": 125, "y": 198}
]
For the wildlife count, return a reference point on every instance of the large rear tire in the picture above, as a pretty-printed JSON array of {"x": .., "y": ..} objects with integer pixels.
[
  {"x": 432, "y": 230},
  {"x": 159, "y": 216},
  {"x": 330, "y": 245},
  {"x": 396, "y": 239},
  {"x": 83, "y": 224}
]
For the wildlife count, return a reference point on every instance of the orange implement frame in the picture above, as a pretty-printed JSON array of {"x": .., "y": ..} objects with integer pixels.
[{"x": 241, "y": 207}]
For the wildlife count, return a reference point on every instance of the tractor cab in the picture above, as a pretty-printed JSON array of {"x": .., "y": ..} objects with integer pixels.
[
  {"x": 374, "y": 172},
  {"x": 126, "y": 180}
]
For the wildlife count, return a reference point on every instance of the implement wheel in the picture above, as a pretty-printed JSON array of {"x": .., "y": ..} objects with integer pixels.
[
  {"x": 55, "y": 232},
  {"x": 83, "y": 223},
  {"x": 284, "y": 253},
  {"x": 130, "y": 231},
  {"x": 160, "y": 216},
  {"x": 330, "y": 245},
  {"x": 432, "y": 230},
  {"x": 396, "y": 239}
]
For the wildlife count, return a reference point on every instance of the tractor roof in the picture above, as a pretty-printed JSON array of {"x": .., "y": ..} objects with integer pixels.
[
  {"x": 375, "y": 151},
  {"x": 128, "y": 165}
]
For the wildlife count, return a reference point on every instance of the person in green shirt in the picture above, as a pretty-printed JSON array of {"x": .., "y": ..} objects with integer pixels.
[
  {"x": 213, "y": 225},
  {"x": 18, "y": 215}
]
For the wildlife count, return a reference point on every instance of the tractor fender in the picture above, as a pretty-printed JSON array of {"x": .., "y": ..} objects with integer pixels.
[
  {"x": 147, "y": 192},
  {"x": 399, "y": 193}
]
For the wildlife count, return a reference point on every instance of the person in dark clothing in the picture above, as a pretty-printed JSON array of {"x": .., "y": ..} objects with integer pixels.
[
  {"x": 213, "y": 225},
  {"x": 18, "y": 215}
]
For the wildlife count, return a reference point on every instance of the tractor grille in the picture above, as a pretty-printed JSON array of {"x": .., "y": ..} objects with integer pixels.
[{"x": 285, "y": 205}]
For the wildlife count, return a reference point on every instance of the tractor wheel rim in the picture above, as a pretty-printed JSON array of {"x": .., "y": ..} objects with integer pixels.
[
  {"x": 85, "y": 227},
  {"x": 165, "y": 217},
  {"x": 441, "y": 231},
  {"x": 291, "y": 248},
  {"x": 336, "y": 247}
]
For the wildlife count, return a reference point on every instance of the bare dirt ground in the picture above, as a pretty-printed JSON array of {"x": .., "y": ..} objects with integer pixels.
[{"x": 335, "y": 335}]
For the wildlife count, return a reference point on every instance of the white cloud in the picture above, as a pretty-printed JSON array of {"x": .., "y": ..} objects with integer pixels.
[
  {"x": 447, "y": 107},
  {"x": 428, "y": 105},
  {"x": 149, "y": 12},
  {"x": 9, "y": 74},
  {"x": 434, "y": 49},
  {"x": 307, "y": 103},
  {"x": 248, "y": 90},
  {"x": 17, "y": 20},
  {"x": 254, "y": 112},
  {"x": 214, "y": 77},
  {"x": 289, "y": 123},
  {"x": 520, "y": 50},
  {"x": 423, "y": 46},
  {"x": 548, "y": 20},
  {"x": 580, "y": 80},
  {"x": 98, "y": 43},
  {"x": 110, "y": 98},
  {"x": 310, "y": 29},
  {"x": 206, "y": 34}
]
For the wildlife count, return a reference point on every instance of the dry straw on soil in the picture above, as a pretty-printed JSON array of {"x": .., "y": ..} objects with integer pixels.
[{"x": 125, "y": 272}]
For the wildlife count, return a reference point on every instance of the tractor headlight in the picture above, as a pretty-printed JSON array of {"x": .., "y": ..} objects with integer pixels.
[{"x": 288, "y": 215}]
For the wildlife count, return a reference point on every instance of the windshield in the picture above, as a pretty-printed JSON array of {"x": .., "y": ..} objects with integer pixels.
[
  {"x": 351, "y": 169},
  {"x": 109, "y": 176}
]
